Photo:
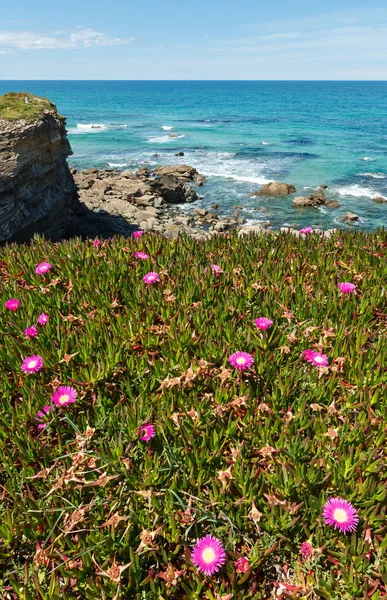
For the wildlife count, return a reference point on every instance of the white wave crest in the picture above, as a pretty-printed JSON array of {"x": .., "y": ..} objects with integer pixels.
[
  {"x": 357, "y": 191},
  {"x": 165, "y": 139},
  {"x": 368, "y": 159},
  {"x": 167, "y": 127},
  {"x": 95, "y": 127},
  {"x": 374, "y": 175},
  {"x": 118, "y": 165}
]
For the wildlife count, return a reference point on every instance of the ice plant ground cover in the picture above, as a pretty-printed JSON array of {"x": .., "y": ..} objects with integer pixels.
[{"x": 89, "y": 510}]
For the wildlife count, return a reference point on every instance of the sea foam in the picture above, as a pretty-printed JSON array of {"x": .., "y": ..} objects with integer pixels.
[{"x": 358, "y": 191}]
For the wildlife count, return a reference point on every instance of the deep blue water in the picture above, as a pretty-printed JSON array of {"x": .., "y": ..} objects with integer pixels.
[{"x": 240, "y": 135}]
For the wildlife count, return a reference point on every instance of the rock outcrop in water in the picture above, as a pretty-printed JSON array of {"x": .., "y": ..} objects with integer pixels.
[
  {"x": 37, "y": 191},
  {"x": 275, "y": 188},
  {"x": 314, "y": 200}
]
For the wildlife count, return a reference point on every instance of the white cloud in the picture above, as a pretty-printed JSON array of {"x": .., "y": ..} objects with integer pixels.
[{"x": 82, "y": 37}]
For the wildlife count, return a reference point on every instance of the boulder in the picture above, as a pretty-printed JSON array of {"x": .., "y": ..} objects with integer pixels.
[
  {"x": 180, "y": 154},
  {"x": 275, "y": 188},
  {"x": 380, "y": 200},
  {"x": 183, "y": 172},
  {"x": 172, "y": 190},
  {"x": 350, "y": 217}
]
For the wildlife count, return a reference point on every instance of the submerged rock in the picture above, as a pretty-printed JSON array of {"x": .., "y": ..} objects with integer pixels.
[
  {"x": 37, "y": 191},
  {"x": 275, "y": 188}
]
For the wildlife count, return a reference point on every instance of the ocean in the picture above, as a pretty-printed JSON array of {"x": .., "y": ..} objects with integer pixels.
[{"x": 240, "y": 135}]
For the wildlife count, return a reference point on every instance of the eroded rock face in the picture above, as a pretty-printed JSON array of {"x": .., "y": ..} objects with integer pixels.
[
  {"x": 37, "y": 191},
  {"x": 275, "y": 188}
]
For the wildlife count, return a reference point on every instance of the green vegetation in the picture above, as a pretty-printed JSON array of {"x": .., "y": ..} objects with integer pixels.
[
  {"x": 13, "y": 106},
  {"x": 89, "y": 511}
]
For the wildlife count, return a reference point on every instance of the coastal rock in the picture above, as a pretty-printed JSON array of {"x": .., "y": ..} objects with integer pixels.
[
  {"x": 275, "y": 188},
  {"x": 380, "y": 200},
  {"x": 350, "y": 217},
  {"x": 37, "y": 191},
  {"x": 172, "y": 190},
  {"x": 185, "y": 173},
  {"x": 316, "y": 199}
]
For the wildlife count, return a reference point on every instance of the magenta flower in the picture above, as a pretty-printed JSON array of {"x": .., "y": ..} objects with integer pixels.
[
  {"x": 30, "y": 332},
  {"x": 137, "y": 234},
  {"x": 319, "y": 360},
  {"x": 146, "y": 432},
  {"x": 64, "y": 395},
  {"x": 263, "y": 323},
  {"x": 151, "y": 277},
  {"x": 32, "y": 364},
  {"x": 141, "y": 255},
  {"x": 346, "y": 287},
  {"x": 241, "y": 360},
  {"x": 306, "y": 550},
  {"x": 42, "y": 268},
  {"x": 308, "y": 355},
  {"x": 216, "y": 268},
  {"x": 341, "y": 514},
  {"x": 306, "y": 230},
  {"x": 41, "y": 417},
  {"x": 242, "y": 565},
  {"x": 96, "y": 243},
  {"x": 12, "y": 304},
  {"x": 43, "y": 319},
  {"x": 208, "y": 555}
]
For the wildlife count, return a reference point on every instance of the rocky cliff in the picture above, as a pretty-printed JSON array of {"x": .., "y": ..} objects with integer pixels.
[{"x": 37, "y": 190}]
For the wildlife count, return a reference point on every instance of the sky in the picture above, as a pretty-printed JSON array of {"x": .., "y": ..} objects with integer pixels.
[{"x": 205, "y": 39}]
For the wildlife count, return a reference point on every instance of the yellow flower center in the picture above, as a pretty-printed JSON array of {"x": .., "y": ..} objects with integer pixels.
[
  {"x": 340, "y": 515},
  {"x": 208, "y": 555},
  {"x": 32, "y": 364},
  {"x": 63, "y": 399},
  {"x": 241, "y": 360}
]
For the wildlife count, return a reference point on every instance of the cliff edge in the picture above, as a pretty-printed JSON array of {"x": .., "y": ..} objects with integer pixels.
[{"x": 37, "y": 190}]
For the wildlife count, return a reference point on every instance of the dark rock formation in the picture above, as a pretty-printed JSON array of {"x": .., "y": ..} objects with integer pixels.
[
  {"x": 275, "y": 188},
  {"x": 37, "y": 191},
  {"x": 380, "y": 200}
]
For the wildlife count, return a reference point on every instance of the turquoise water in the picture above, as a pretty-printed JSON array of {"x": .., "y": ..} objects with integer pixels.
[{"x": 240, "y": 135}]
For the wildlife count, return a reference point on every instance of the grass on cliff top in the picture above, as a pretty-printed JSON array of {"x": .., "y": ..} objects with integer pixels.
[
  {"x": 13, "y": 106},
  {"x": 89, "y": 511}
]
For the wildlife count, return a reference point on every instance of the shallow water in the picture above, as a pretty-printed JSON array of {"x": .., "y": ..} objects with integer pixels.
[{"x": 240, "y": 135}]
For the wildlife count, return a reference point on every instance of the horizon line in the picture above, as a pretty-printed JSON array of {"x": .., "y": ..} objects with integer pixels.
[{"x": 208, "y": 80}]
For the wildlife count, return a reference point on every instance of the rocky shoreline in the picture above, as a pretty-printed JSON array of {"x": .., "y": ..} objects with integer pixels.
[{"x": 152, "y": 200}]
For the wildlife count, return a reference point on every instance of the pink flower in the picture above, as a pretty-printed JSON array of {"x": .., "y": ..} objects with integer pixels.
[
  {"x": 308, "y": 355},
  {"x": 137, "y": 234},
  {"x": 306, "y": 550},
  {"x": 346, "y": 287},
  {"x": 42, "y": 268},
  {"x": 32, "y": 364},
  {"x": 151, "y": 277},
  {"x": 208, "y": 555},
  {"x": 306, "y": 230},
  {"x": 41, "y": 417},
  {"x": 319, "y": 360},
  {"x": 242, "y": 565},
  {"x": 263, "y": 323},
  {"x": 64, "y": 395},
  {"x": 12, "y": 304},
  {"x": 241, "y": 360},
  {"x": 43, "y": 319},
  {"x": 30, "y": 332},
  {"x": 341, "y": 514},
  {"x": 96, "y": 243},
  {"x": 216, "y": 268},
  {"x": 146, "y": 432},
  {"x": 141, "y": 255}
]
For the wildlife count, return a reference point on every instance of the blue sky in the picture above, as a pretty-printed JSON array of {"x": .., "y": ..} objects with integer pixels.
[{"x": 205, "y": 39}]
